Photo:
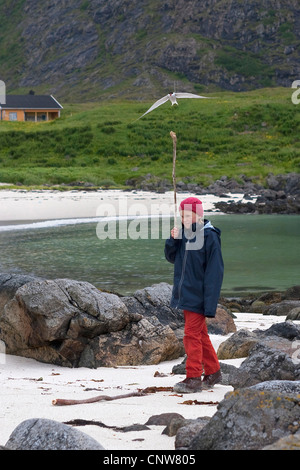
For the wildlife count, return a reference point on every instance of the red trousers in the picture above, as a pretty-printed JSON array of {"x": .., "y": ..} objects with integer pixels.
[{"x": 201, "y": 355}]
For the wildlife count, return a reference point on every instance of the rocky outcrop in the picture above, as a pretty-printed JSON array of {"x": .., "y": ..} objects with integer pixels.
[
  {"x": 72, "y": 323},
  {"x": 286, "y": 303},
  {"x": 250, "y": 419},
  {"x": 281, "y": 196}
]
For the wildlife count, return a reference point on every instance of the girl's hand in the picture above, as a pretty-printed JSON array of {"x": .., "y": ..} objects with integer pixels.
[{"x": 175, "y": 232}]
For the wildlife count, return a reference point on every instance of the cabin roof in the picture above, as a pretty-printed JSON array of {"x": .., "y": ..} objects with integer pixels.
[{"x": 31, "y": 102}]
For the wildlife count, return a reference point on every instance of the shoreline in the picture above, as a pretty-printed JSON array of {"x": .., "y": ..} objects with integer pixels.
[{"x": 19, "y": 206}]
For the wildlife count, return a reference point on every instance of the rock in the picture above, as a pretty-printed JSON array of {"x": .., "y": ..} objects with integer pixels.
[
  {"x": 289, "y": 442},
  {"x": 135, "y": 427},
  {"x": 155, "y": 300},
  {"x": 222, "y": 324},
  {"x": 9, "y": 284},
  {"x": 144, "y": 342},
  {"x": 286, "y": 329},
  {"x": 238, "y": 345},
  {"x": 294, "y": 314},
  {"x": 264, "y": 364},
  {"x": 282, "y": 308},
  {"x": 163, "y": 419},
  {"x": 258, "y": 306},
  {"x": 180, "y": 368},
  {"x": 188, "y": 430},
  {"x": 53, "y": 320},
  {"x": 280, "y": 336},
  {"x": 282, "y": 196},
  {"x": 292, "y": 293},
  {"x": 249, "y": 420},
  {"x": 71, "y": 323},
  {"x": 228, "y": 371},
  {"x": 173, "y": 426},
  {"x": 45, "y": 434},
  {"x": 282, "y": 386}
]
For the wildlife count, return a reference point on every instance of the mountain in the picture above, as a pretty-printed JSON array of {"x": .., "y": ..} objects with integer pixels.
[{"x": 92, "y": 49}]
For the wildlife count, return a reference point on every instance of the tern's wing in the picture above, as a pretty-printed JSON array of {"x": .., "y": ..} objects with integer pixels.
[
  {"x": 188, "y": 95},
  {"x": 156, "y": 104}
]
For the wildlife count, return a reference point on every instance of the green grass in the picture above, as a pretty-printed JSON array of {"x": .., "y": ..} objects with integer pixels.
[{"x": 252, "y": 133}]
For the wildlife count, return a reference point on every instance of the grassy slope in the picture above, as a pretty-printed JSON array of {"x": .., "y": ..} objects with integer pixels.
[{"x": 251, "y": 133}]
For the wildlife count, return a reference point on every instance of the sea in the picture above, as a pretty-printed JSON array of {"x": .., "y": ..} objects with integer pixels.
[{"x": 118, "y": 254}]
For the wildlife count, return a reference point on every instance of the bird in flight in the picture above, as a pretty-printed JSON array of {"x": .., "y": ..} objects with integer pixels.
[{"x": 173, "y": 98}]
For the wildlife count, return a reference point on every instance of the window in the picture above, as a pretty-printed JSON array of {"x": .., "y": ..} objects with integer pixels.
[{"x": 13, "y": 117}]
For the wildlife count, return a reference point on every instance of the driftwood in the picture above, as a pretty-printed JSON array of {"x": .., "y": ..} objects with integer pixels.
[
  {"x": 139, "y": 393},
  {"x": 174, "y": 138}
]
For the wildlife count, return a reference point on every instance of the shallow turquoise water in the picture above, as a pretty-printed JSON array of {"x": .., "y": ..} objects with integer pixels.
[{"x": 260, "y": 253}]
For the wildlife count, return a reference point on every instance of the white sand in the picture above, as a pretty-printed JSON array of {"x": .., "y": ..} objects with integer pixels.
[
  {"x": 20, "y": 205},
  {"x": 28, "y": 387}
]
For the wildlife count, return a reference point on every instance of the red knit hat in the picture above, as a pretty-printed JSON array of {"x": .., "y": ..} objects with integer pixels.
[{"x": 192, "y": 204}]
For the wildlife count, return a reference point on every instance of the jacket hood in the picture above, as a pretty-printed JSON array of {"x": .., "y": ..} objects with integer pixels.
[
  {"x": 196, "y": 226},
  {"x": 208, "y": 224}
]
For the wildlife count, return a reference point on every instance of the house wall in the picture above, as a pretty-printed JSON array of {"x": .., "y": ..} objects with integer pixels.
[
  {"x": 6, "y": 114},
  {"x": 33, "y": 114}
]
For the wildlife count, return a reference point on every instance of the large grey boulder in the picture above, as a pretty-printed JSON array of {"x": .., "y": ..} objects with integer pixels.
[
  {"x": 249, "y": 419},
  {"x": 264, "y": 364},
  {"x": 72, "y": 323},
  {"x": 45, "y": 434}
]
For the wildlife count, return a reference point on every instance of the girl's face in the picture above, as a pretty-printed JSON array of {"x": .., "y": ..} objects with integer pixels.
[{"x": 188, "y": 218}]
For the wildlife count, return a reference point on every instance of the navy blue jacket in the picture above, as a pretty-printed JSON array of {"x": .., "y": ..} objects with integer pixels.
[{"x": 198, "y": 273}]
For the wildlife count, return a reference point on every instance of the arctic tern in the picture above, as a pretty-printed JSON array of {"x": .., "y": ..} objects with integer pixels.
[{"x": 173, "y": 98}]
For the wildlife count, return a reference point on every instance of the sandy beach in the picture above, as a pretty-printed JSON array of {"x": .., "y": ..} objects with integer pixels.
[
  {"x": 20, "y": 206},
  {"x": 28, "y": 387}
]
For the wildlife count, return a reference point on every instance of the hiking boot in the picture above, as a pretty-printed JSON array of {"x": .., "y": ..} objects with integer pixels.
[
  {"x": 189, "y": 385},
  {"x": 210, "y": 380}
]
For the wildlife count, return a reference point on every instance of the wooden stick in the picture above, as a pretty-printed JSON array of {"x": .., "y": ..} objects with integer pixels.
[
  {"x": 63, "y": 402},
  {"x": 140, "y": 393},
  {"x": 174, "y": 138}
]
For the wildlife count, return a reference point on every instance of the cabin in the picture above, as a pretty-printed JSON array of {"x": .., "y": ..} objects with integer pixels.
[{"x": 35, "y": 108}]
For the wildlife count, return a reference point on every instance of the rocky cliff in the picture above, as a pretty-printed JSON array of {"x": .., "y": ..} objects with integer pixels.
[{"x": 92, "y": 48}]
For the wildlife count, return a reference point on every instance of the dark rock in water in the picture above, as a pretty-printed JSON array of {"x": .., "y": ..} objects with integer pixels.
[
  {"x": 282, "y": 308},
  {"x": 282, "y": 196},
  {"x": 249, "y": 419},
  {"x": 45, "y": 434}
]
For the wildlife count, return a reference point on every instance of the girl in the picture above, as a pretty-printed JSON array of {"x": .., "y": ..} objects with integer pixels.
[{"x": 195, "y": 251}]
